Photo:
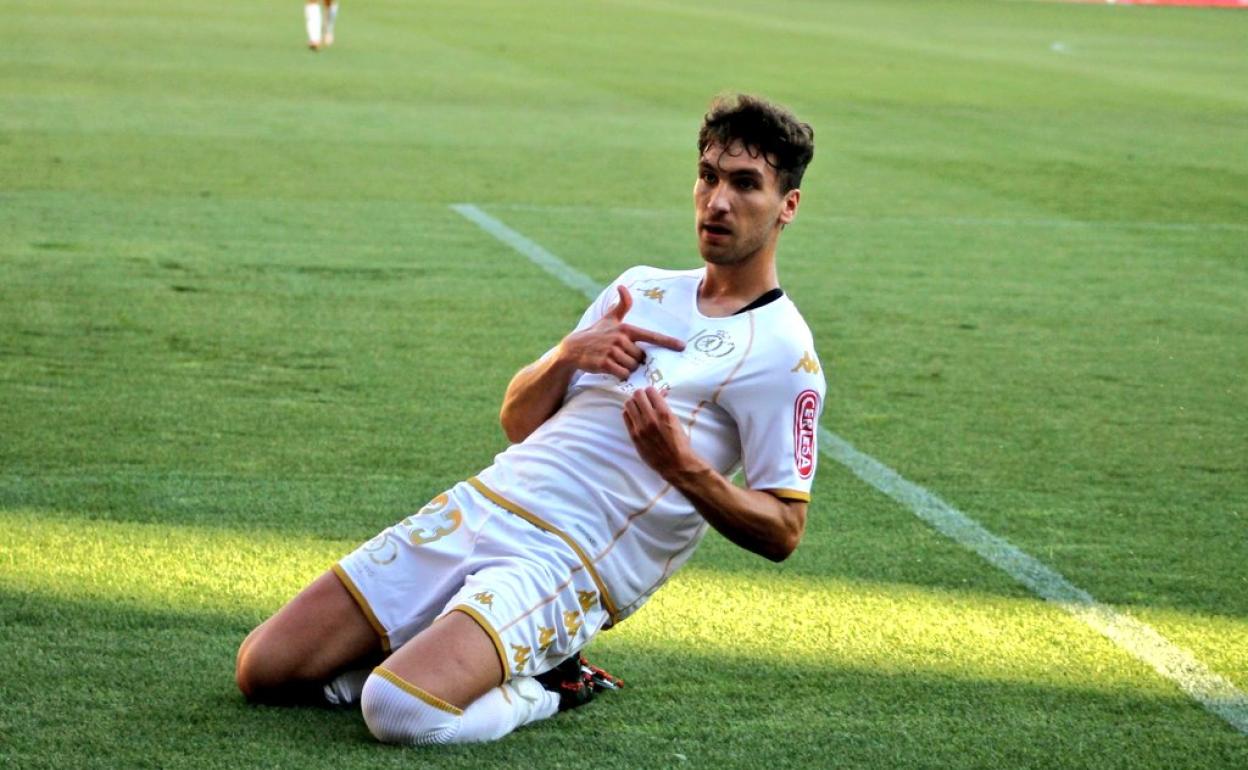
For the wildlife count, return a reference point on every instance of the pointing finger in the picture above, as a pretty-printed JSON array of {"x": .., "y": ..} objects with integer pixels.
[{"x": 638, "y": 334}]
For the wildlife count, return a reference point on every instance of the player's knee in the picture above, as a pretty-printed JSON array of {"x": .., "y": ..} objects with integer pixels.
[
  {"x": 260, "y": 674},
  {"x": 245, "y": 674},
  {"x": 397, "y": 711}
]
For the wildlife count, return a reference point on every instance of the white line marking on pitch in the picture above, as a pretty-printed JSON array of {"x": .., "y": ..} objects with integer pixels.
[{"x": 1211, "y": 690}]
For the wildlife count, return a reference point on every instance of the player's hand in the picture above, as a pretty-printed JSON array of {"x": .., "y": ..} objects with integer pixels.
[
  {"x": 657, "y": 433},
  {"x": 610, "y": 345}
]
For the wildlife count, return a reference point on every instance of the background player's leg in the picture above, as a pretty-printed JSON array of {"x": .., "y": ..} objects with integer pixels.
[
  {"x": 312, "y": 20},
  {"x": 291, "y": 656},
  {"x": 331, "y": 16}
]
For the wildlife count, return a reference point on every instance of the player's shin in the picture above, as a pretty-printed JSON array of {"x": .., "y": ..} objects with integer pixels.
[
  {"x": 312, "y": 20},
  {"x": 513, "y": 704}
]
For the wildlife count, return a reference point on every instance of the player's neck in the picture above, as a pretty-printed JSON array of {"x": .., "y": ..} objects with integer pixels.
[{"x": 727, "y": 288}]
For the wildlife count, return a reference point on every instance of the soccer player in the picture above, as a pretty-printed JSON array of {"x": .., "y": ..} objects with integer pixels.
[
  {"x": 465, "y": 620},
  {"x": 320, "y": 24}
]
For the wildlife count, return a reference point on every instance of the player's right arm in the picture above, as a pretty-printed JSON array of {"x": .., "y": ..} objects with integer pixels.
[{"x": 608, "y": 346}]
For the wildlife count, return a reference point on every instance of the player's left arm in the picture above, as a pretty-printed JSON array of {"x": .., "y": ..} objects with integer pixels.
[{"x": 755, "y": 520}]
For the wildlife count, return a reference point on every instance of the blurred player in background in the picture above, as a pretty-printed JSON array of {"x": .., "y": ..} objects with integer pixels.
[
  {"x": 466, "y": 620},
  {"x": 320, "y": 16}
]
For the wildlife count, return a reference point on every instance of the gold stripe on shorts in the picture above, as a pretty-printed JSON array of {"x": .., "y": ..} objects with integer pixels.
[
  {"x": 489, "y": 629},
  {"x": 367, "y": 610},
  {"x": 537, "y": 521},
  {"x": 415, "y": 691}
]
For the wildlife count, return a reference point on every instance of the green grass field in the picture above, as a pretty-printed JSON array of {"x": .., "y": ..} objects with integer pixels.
[{"x": 241, "y": 330}]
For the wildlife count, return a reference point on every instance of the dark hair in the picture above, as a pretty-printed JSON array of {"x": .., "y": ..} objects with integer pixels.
[{"x": 785, "y": 143}]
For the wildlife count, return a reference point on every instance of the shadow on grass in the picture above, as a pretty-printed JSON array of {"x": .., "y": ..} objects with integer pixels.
[
  {"x": 853, "y": 533},
  {"x": 90, "y": 684}
]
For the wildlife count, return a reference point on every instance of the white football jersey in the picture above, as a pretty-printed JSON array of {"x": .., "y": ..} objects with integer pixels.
[{"x": 749, "y": 390}]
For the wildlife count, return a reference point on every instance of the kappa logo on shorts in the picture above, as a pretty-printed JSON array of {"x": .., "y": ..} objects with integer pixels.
[
  {"x": 484, "y": 598},
  {"x": 572, "y": 622},
  {"x": 588, "y": 599},
  {"x": 805, "y": 412},
  {"x": 522, "y": 655},
  {"x": 545, "y": 638}
]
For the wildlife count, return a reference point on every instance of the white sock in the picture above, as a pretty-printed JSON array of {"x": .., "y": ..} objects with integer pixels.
[
  {"x": 330, "y": 17},
  {"x": 345, "y": 689},
  {"x": 312, "y": 15},
  {"x": 503, "y": 709},
  {"x": 397, "y": 711}
]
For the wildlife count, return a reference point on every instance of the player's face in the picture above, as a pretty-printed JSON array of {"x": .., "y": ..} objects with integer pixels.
[{"x": 738, "y": 206}]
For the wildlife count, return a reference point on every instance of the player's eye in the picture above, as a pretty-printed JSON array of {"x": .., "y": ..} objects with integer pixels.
[{"x": 708, "y": 177}]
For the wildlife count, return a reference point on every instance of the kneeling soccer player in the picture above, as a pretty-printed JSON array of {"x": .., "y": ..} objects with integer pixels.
[{"x": 466, "y": 620}]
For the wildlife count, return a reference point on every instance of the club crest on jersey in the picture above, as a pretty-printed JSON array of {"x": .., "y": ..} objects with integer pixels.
[
  {"x": 805, "y": 414},
  {"x": 715, "y": 344}
]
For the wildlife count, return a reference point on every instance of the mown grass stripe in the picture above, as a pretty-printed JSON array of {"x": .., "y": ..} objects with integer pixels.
[
  {"x": 572, "y": 278},
  {"x": 1211, "y": 690}
]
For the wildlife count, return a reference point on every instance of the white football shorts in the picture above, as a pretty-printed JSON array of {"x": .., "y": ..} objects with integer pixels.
[{"x": 523, "y": 585}]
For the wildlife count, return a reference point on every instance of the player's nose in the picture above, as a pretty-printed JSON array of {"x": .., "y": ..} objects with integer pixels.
[{"x": 718, "y": 200}]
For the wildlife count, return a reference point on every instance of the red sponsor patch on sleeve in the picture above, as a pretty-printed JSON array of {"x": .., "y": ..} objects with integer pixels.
[{"x": 805, "y": 415}]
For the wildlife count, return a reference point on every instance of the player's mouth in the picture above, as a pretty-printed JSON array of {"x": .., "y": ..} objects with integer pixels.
[{"x": 715, "y": 231}]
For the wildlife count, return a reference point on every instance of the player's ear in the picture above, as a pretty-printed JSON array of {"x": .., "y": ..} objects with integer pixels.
[{"x": 788, "y": 209}]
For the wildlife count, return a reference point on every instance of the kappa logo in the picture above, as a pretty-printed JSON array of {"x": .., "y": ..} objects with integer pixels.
[
  {"x": 572, "y": 622},
  {"x": 522, "y": 656},
  {"x": 485, "y": 598},
  {"x": 655, "y": 294},
  {"x": 805, "y": 414},
  {"x": 587, "y": 598},
  {"x": 807, "y": 364},
  {"x": 545, "y": 638},
  {"x": 715, "y": 344}
]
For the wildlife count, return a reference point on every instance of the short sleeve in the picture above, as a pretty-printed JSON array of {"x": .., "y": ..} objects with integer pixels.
[
  {"x": 777, "y": 407},
  {"x": 597, "y": 309}
]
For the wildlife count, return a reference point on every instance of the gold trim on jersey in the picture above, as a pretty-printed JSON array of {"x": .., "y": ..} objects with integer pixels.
[
  {"x": 619, "y": 533},
  {"x": 749, "y": 348},
  {"x": 693, "y": 419},
  {"x": 538, "y": 522},
  {"x": 352, "y": 589},
  {"x": 789, "y": 494},
  {"x": 489, "y": 629},
  {"x": 415, "y": 691}
]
